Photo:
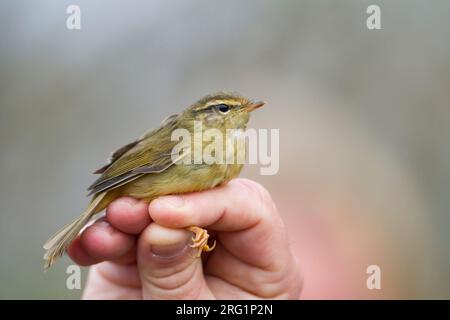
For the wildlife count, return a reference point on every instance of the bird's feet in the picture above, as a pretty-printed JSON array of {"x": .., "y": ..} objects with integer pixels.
[{"x": 200, "y": 241}]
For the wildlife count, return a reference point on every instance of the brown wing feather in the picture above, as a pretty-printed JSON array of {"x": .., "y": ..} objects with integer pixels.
[
  {"x": 152, "y": 152},
  {"x": 116, "y": 155},
  {"x": 114, "y": 182}
]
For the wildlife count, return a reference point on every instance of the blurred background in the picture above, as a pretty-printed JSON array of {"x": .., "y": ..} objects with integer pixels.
[{"x": 364, "y": 119}]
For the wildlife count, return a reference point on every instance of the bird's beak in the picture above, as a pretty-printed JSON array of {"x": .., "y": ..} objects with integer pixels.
[{"x": 254, "y": 104}]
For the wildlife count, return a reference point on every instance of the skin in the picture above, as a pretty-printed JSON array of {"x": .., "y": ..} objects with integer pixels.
[{"x": 141, "y": 251}]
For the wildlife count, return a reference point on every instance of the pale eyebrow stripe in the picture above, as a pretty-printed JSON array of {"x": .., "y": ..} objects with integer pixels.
[
  {"x": 223, "y": 101},
  {"x": 230, "y": 103}
]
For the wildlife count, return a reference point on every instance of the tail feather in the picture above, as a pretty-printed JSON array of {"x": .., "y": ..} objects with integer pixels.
[{"x": 57, "y": 244}]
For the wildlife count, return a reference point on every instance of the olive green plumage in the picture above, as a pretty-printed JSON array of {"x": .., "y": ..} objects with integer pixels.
[{"x": 145, "y": 169}]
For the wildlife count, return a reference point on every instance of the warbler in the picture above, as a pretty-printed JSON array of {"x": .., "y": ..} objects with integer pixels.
[{"x": 148, "y": 168}]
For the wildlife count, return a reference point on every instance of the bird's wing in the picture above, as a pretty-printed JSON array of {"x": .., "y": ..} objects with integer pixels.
[
  {"x": 116, "y": 155},
  {"x": 152, "y": 153}
]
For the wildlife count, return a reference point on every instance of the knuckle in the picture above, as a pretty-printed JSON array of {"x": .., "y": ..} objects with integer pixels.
[
  {"x": 254, "y": 189},
  {"x": 275, "y": 285},
  {"x": 285, "y": 284},
  {"x": 268, "y": 284},
  {"x": 258, "y": 189}
]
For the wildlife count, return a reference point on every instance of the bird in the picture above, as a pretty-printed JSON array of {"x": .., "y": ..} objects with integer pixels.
[{"x": 148, "y": 167}]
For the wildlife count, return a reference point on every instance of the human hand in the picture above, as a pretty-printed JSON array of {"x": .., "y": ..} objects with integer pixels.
[{"x": 140, "y": 250}]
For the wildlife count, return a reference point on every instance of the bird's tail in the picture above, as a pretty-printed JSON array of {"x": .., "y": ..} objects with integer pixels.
[{"x": 57, "y": 244}]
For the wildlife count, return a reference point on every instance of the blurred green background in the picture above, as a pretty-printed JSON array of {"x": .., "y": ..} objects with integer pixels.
[{"x": 363, "y": 116}]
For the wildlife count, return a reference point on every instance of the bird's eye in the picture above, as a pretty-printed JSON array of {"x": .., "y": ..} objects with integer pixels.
[{"x": 222, "y": 108}]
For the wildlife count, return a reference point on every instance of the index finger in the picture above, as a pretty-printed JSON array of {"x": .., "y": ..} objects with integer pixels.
[{"x": 235, "y": 206}]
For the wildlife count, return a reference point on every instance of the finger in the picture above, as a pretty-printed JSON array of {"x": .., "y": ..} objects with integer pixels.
[
  {"x": 167, "y": 267},
  {"x": 128, "y": 215},
  {"x": 101, "y": 241},
  {"x": 243, "y": 208},
  {"x": 128, "y": 258},
  {"x": 236, "y": 206},
  {"x": 79, "y": 255}
]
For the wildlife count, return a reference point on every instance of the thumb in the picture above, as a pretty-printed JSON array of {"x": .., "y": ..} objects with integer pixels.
[{"x": 166, "y": 266}]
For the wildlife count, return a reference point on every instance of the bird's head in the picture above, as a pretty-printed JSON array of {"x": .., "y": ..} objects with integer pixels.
[{"x": 223, "y": 110}]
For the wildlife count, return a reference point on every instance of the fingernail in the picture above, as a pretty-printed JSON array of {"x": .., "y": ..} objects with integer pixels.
[
  {"x": 168, "y": 251},
  {"x": 173, "y": 201}
]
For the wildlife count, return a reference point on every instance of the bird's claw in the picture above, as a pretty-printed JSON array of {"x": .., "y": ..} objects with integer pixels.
[{"x": 200, "y": 241}]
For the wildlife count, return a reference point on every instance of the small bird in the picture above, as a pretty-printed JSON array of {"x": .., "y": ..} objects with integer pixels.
[{"x": 148, "y": 168}]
